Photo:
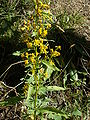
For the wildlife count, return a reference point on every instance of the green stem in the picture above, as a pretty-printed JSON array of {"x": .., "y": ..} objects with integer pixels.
[{"x": 35, "y": 102}]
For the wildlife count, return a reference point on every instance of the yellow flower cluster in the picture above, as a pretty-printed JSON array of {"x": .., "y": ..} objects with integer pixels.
[
  {"x": 37, "y": 42},
  {"x": 54, "y": 53},
  {"x": 43, "y": 48},
  {"x": 32, "y": 58},
  {"x": 35, "y": 31},
  {"x": 29, "y": 45},
  {"x": 25, "y": 88}
]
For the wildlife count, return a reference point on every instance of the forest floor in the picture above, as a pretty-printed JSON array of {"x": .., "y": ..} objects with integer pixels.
[{"x": 81, "y": 7}]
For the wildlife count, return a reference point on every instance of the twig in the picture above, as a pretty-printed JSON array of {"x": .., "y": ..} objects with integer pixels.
[
  {"x": 10, "y": 67},
  {"x": 85, "y": 67},
  {"x": 85, "y": 51},
  {"x": 13, "y": 88}
]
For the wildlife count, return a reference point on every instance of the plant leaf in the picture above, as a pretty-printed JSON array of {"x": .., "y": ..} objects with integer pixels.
[
  {"x": 49, "y": 71},
  {"x": 77, "y": 113},
  {"x": 30, "y": 79},
  {"x": 17, "y": 53},
  {"x": 54, "y": 88},
  {"x": 50, "y": 66},
  {"x": 54, "y": 110}
]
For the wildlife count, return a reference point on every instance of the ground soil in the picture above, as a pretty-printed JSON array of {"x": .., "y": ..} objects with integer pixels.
[{"x": 75, "y": 6}]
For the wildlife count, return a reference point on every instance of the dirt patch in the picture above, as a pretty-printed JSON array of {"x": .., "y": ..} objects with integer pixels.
[{"x": 75, "y": 6}]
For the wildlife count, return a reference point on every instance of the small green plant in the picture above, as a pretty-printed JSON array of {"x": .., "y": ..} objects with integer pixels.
[{"x": 67, "y": 21}]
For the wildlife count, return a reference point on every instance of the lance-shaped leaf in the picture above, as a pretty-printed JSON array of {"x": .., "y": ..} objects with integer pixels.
[
  {"x": 54, "y": 110},
  {"x": 54, "y": 88}
]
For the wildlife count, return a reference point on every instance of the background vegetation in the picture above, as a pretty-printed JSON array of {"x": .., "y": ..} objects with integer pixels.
[{"x": 74, "y": 63}]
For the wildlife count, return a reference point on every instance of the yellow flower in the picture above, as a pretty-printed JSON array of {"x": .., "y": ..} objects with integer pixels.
[
  {"x": 41, "y": 70},
  {"x": 33, "y": 55},
  {"x": 25, "y": 22},
  {"x": 34, "y": 25},
  {"x": 28, "y": 22},
  {"x": 25, "y": 88},
  {"x": 22, "y": 55},
  {"x": 41, "y": 40},
  {"x": 55, "y": 54},
  {"x": 26, "y": 40},
  {"x": 26, "y": 54},
  {"x": 46, "y": 75},
  {"x": 46, "y": 47},
  {"x": 29, "y": 45},
  {"x": 33, "y": 71},
  {"x": 48, "y": 11},
  {"x": 51, "y": 50},
  {"x": 36, "y": 42},
  {"x": 45, "y": 51},
  {"x": 40, "y": 31},
  {"x": 39, "y": 11},
  {"x": 41, "y": 46},
  {"x": 26, "y": 62},
  {"x": 45, "y": 6},
  {"x": 22, "y": 28},
  {"x": 41, "y": 25},
  {"x": 31, "y": 18},
  {"x": 28, "y": 27},
  {"x": 58, "y": 47},
  {"x": 44, "y": 33},
  {"x": 48, "y": 26},
  {"x": 32, "y": 60},
  {"x": 40, "y": 21},
  {"x": 51, "y": 62},
  {"x": 50, "y": 18}
]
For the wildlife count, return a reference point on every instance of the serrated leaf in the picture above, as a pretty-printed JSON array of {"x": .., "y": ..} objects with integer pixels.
[
  {"x": 54, "y": 88},
  {"x": 17, "y": 53}
]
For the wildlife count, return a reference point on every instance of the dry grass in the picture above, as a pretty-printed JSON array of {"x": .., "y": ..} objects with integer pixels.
[{"x": 81, "y": 7}]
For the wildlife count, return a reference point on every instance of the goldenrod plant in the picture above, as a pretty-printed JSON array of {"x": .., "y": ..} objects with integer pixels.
[{"x": 38, "y": 58}]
